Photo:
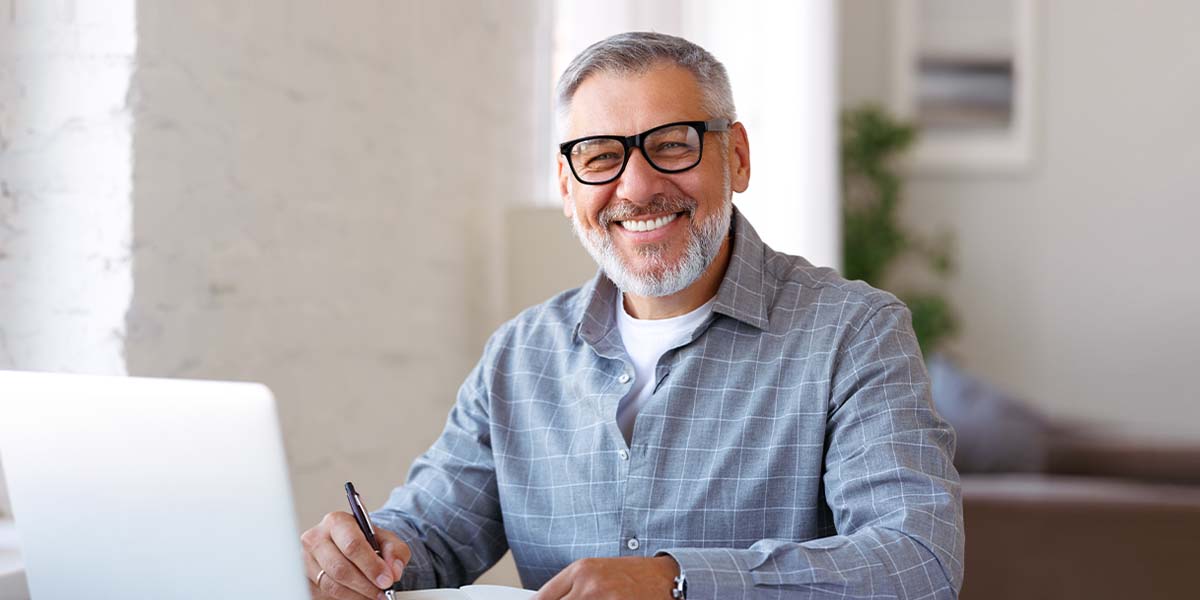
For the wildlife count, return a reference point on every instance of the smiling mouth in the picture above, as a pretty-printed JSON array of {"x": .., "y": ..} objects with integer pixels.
[{"x": 642, "y": 225}]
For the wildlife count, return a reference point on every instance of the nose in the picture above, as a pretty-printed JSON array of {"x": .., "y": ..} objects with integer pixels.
[{"x": 640, "y": 182}]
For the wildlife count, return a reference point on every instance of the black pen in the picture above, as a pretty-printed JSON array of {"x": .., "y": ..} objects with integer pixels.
[{"x": 364, "y": 523}]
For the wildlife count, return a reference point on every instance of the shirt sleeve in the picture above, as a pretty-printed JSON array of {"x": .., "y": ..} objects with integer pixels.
[
  {"x": 889, "y": 481},
  {"x": 448, "y": 511}
]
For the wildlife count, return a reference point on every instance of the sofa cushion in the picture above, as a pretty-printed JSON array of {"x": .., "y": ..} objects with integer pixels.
[{"x": 996, "y": 432}]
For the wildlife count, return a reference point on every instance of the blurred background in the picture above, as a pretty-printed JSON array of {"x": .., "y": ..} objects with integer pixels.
[{"x": 343, "y": 200}]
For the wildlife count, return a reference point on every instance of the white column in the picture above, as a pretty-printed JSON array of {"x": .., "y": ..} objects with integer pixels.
[
  {"x": 782, "y": 59},
  {"x": 65, "y": 172}
]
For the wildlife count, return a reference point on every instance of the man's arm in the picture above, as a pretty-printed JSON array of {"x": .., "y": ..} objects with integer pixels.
[
  {"x": 448, "y": 512},
  {"x": 889, "y": 481},
  {"x": 441, "y": 529}
]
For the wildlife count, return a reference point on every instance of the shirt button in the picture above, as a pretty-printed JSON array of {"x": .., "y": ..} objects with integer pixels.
[
  {"x": 624, "y": 378},
  {"x": 633, "y": 544},
  {"x": 624, "y": 454}
]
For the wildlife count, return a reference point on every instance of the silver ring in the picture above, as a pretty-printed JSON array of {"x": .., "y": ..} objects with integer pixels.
[{"x": 319, "y": 576}]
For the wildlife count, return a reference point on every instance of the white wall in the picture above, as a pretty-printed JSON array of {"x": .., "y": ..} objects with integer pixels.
[
  {"x": 543, "y": 257},
  {"x": 319, "y": 195},
  {"x": 313, "y": 195},
  {"x": 1078, "y": 287}
]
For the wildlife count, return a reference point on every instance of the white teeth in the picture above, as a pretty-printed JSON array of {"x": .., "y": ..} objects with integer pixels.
[{"x": 648, "y": 224}]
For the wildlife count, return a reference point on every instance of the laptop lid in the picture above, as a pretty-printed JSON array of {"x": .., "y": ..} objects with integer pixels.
[{"x": 128, "y": 487}]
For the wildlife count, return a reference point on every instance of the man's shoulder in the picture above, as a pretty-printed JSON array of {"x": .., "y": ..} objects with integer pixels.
[
  {"x": 565, "y": 307},
  {"x": 799, "y": 285},
  {"x": 554, "y": 318},
  {"x": 784, "y": 293}
]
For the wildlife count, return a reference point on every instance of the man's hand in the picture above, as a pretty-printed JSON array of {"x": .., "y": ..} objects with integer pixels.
[
  {"x": 352, "y": 569},
  {"x": 613, "y": 578}
]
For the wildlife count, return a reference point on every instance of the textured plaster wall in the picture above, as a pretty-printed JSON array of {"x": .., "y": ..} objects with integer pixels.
[
  {"x": 319, "y": 196},
  {"x": 1077, "y": 287},
  {"x": 543, "y": 256},
  {"x": 65, "y": 165}
]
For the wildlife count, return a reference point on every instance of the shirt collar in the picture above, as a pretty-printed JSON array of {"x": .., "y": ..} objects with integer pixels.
[{"x": 743, "y": 294}]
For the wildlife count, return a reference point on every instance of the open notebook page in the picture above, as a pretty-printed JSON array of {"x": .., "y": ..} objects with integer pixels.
[{"x": 469, "y": 592}]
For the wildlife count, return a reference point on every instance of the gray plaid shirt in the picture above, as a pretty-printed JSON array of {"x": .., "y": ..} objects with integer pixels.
[{"x": 790, "y": 449}]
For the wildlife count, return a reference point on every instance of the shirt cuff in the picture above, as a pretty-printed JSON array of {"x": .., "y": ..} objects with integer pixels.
[
  {"x": 418, "y": 572},
  {"x": 713, "y": 573}
]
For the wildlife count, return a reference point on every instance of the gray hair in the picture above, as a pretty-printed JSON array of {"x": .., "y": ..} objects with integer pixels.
[{"x": 636, "y": 52}]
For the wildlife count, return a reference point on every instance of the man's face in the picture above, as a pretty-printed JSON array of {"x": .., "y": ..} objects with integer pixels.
[{"x": 653, "y": 233}]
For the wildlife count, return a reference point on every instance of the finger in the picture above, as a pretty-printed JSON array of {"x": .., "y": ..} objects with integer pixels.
[
  {"x": 328, "y": 589},
  {"x": 396, "y": 553},
  {"x": 342, "y": 572},
  {"x": 557, "y": 588},
  {"x": 312, "y": 572},
  {"x": 354, "y": 546}
]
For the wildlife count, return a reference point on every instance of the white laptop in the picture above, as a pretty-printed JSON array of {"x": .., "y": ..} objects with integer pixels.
[{"x": 130, "y": 488}]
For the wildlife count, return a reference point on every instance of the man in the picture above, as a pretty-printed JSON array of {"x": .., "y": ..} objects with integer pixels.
[{"x": 707, "y": 418}]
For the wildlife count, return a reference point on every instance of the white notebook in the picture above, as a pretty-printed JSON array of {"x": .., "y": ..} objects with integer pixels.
[{"x": 469, "y": 592}]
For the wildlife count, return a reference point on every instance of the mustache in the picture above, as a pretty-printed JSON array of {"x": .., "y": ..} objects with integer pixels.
[{"x": 623, "y": 211}]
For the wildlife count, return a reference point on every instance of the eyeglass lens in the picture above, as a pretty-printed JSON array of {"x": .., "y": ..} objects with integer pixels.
[{"x": 673, "y": 148}]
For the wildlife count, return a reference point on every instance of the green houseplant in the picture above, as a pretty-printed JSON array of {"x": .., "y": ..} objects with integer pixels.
[{"x": 873, "y": 239}]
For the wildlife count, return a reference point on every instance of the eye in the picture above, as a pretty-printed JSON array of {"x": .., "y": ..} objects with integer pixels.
[
  {"x": 602, "y": 162},
  {"x": 602, "y": 157},
  {"x": 598, "y": 155},
  {"x": 672, "y": 149}
]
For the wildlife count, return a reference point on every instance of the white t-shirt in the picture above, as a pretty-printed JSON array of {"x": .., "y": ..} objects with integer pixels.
[{"x": 646, "y": 340}]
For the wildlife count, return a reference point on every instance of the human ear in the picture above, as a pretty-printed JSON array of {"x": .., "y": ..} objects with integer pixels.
[
  {"x": 564, "y": 187},
  {"x": 739, "y": 158}
]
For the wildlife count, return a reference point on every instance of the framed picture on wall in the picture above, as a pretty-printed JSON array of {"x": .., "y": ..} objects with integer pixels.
[{"x": 964, "y": 76}]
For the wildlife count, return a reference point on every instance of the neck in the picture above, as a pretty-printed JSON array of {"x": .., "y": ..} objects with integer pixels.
[{"x": 686, "y": 300}]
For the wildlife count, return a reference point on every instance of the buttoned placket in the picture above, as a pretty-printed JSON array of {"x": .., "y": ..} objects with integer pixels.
[
  {"x": 627, "y": 382},
  {"x": 631, "y": 543}
]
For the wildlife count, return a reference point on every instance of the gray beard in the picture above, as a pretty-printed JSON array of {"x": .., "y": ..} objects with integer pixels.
[{"x": 660, "y": 278}]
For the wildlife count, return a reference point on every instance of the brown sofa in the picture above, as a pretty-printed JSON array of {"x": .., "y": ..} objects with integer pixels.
[{"x": 1105, "y": 518}]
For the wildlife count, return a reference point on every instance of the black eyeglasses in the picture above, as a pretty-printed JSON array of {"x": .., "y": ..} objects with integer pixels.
[{"x": 670, "y": 148}]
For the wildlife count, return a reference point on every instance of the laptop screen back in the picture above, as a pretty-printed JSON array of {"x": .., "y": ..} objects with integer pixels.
[{"x": 148, "y": 488}]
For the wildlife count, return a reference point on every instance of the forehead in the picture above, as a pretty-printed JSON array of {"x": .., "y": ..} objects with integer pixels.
[{"x": 629, "y": 103}]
